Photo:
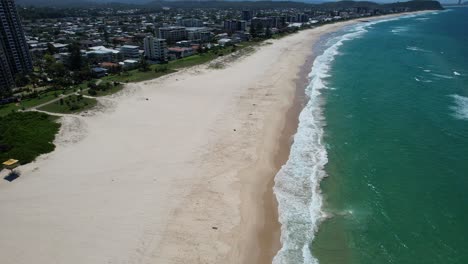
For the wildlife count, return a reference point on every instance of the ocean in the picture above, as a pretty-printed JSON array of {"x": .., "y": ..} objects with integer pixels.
[{"x": 378, "y": 171}]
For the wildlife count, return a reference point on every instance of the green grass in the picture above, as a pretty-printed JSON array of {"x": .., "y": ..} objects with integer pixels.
[
  {"x": 192, "y": 60},
  {"x": 202, "y": 57},
  {"x": 8, "y": 109},
  {"x": 71, "y": 104},
  {"x": 136, "y": 75},
  {"x": 32, "y": 102},
  {"x": 43, "y": 98},
  {"x": 24, "y": 136},
  {"x": 27, "y": 103},
  {"x": 112, "y": 90}
]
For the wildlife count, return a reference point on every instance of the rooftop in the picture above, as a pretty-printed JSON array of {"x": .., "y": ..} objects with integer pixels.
[
  {"x": 10, "y": 162},
  {"x": 129, "y": 47}
]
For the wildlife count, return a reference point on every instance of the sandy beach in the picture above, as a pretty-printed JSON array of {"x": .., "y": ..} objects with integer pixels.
[{"x": 174, "y": 170}]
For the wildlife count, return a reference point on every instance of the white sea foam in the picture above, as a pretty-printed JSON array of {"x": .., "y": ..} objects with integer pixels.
[
  {"x": 422, "y": 18},
  {"x": 297, "y": 184},
  {"x": 456, "y": 73},
  {"x": 442, "y": 76},
  {"x": 421, "y": 79},
  {"x": 414, "y": 48},
  {"x": 397, "y": 30},
  {"x": 461, "y": 107}
]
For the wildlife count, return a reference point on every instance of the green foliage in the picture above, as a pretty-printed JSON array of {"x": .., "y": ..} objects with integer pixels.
[
  {"x": 51, "y": 50},
  {"x": 70, "y": 104},
  {"x": 105, "y": 88},
  {"x": 56, "y": 70},
  {"x": 268, "y": 33},
  {"x": 92, "y": 92},
  {"x": 21, "y": 80},
  {"x": 26, "y": 135},
  {"x": 162, "y": 68},
  {"x": 144, "y": 65},
  {"x": 76, "y": 62}
]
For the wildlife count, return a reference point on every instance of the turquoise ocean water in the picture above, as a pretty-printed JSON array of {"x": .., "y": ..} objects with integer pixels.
[{"x": 378, "y": 172}]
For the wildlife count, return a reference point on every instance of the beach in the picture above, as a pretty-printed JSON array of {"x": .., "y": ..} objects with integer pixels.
[{"x": 179, "y": 169}]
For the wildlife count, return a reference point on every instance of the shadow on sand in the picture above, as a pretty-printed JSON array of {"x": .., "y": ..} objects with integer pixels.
[{"x": 13, "y": 175}]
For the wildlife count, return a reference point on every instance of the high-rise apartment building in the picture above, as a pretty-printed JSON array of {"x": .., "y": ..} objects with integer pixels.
[
  {"x": 172, "y": 34},
  {"x": 155, "y": 49},
  {"x": 14, "y": 53},
  {"x": 247, "y": 15},
  {"x": 234, "y": 25}
]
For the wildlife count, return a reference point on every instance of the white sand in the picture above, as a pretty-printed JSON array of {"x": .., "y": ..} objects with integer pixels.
[{"x": 145, "y": 181}]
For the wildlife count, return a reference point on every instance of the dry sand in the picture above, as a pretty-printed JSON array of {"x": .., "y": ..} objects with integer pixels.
[{"x": 183, "y": 177}]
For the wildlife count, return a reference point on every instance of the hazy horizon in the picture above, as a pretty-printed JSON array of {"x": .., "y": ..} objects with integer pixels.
[{"x": 147, "y": 1}]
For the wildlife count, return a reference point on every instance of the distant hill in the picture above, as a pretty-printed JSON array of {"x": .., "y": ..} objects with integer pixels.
[
  {"x": 414, "y": 5},
  {"x": 52, "y": 3},
  {"x": 76, "y": 3}
]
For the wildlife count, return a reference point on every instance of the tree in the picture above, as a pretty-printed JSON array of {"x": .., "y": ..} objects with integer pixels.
[
  {"x": 51, "y": 49},
  {"x": 83, "y": 74},
  {"x": 200, "y": 49},
  {"x": 149, "y": 29},
  {"x": 106, "y": 35},
  {"x": 268, "y": 32},
  {"x": 259, "y": 29},
  {"x": 21, "y": 80},
  {"x": 143, "y": 65},
  {"x": 76, "y": 62},
  {"x": 56, "y": 69},
  {"x": 253, "y": 31},
  {"x": 47, "y": 61}
]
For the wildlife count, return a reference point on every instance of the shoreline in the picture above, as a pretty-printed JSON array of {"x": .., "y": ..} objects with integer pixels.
[
  {"x": 302, "y": 97},
  {"x": 285, "y": 143},
  {"x": 175, "y": 169}
]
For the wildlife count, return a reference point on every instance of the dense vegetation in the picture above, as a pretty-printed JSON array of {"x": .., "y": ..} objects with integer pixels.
[{"x": 26, "y": 135}]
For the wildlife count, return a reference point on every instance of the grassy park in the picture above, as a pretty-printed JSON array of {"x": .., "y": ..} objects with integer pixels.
[
  {"x": 70, "y": 104},
  {"x": 137, "y": 75},
  {"x": 29, "y": 102},
  {"x": 33, "y": 101}
]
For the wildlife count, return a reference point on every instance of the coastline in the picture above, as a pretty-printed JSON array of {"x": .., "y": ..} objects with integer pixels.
[
  {"x": 194, "y": 181},
  {"x": 307, "y": 81}
]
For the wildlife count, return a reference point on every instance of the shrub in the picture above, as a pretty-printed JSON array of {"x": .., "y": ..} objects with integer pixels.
[{"x": 26, "y": 135}]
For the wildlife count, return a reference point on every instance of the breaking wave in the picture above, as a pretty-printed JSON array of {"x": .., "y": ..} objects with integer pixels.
[
  {"x": 461, "y": 107},
  {"x": 297, "y": 184},
  {"x": 414, "y": 48}
]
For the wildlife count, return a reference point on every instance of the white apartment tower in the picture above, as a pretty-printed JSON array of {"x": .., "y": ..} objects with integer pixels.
[{"x": 155, "y": 48}]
